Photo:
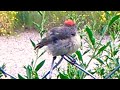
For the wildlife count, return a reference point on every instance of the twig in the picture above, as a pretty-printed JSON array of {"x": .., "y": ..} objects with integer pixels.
[
  {"x": 6, "y": 73},
  {"x": 78, "y": 66},
  {"x": 112, "y": 72},
  {"x": 53, "y": 68}
]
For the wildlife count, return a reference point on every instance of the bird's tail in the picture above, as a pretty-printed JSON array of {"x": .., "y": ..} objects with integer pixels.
[
  {"x": 44, "y": 41},
  {"x": 39, "y": 45}
]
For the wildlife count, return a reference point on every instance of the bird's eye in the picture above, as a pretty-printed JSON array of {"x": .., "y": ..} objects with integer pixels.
[{"x": 73, "y": 34}]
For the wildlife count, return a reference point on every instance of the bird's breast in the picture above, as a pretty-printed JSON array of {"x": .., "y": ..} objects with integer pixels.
[{"x": 65, "y": 46}]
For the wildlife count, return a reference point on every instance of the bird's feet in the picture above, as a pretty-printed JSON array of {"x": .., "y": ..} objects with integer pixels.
[{"x": 73, "y": 61}]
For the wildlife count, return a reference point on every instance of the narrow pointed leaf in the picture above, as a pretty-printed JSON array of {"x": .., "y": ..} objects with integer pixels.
[
  {"x": 39, "y": 65},
  {"x": 20, "y": 77},
  {"x": 99, "y": 60},
  {"x": 62, "y": 76},
  {"x": 79, "y": 55},
  {"x": 37, "y": 25},
  {"x": 90, "y": 34},
  {"x": 86, "y": 51},
  {"x": 29, "y": 71},
  {"x": 109, "y": 57},
  {"x": 113, "y": 20},
  {"x": 115, "y": 52},
  {"x": 40, "y": 12},
  {"x": 104, "y": 29},
  {"x": 112, "y": 34},
  {"x": 103, "y": 48},
  {"x": 42, "y": 53},
  {"x": 33, "y": 44}
]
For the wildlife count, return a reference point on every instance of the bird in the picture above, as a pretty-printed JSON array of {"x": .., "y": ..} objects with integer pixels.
[{"x": 62, "y": 40}]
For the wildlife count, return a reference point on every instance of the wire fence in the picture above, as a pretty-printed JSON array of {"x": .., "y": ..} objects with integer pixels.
[{"x": 72, "y": 61}]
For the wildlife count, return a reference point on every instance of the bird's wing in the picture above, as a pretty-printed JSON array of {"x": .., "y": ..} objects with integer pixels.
[
  {"x": 61, "y": 33},
  {"x": 57, "y": 33}
]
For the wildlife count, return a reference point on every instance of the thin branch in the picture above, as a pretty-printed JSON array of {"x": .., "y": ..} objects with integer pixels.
[
  {"x": 53, "y": 68},
  {"x": 112, "y": 72},
  {"x": 78, "y": 66},
  {"x": 6, "y": 73}
]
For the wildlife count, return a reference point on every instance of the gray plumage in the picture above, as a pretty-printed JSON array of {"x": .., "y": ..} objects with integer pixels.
[{"x": 61, "y": 40}]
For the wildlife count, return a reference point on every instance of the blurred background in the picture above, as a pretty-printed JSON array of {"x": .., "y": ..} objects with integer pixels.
[
  {"x": 12, "y": 21},
  {"x": 21, "y": 30}
]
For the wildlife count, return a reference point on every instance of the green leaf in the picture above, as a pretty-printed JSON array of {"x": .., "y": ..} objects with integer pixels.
[
  {"x": 113, "y": 20},
  {"x": 90, "y": 34},
  {"x": 39, "y": 65},
  {"x": 37, "y": 25},
  {"x": 115, "y": 52},
  {"x": 117, "y": 61},
  {"x": 35, "y": 75},
  {"x": 102, "y": 71},
  {"x": 103, "y": 48},
  {"x": 107, "y": 14},
  {"x": 42, "y": 53},
  {"x": 109, "y": 57},
  {"x": 29, "y": 72},
  {"x": 104, "y": 29},
  {"x": 112, "y": 34},
  {"x": 98, "y": 59},
  {"x": 79, "y": 55},
  {"x": 73, "y": 55},
  {"x": 63, "y": 76},
  {"x": 79, "y": 74},
  {"x": 92, "y": 72},
  {"x": 40, "y": 12},
  {"x": 86, "y": 51},
  {"x": 20, "y": 77},
  {"x": 33, "y": 44}
]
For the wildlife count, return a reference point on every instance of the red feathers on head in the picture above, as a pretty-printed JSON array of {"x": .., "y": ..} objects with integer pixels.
[{"x": 69, "y": 22}]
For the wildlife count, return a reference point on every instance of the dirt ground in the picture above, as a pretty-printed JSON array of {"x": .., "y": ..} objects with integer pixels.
[{"x": 17, "y": 51}]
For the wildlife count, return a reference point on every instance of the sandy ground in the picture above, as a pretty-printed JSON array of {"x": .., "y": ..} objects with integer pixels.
[{"x": 17, "y": 51}]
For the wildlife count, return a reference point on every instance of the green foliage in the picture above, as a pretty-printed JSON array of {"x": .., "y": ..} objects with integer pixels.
[
  {"x": 88, "y": 23},
  {"x": 39, "y": 65},
  {"x": 113, "y": 20},
  {"x": 23, "y": 18},
  {"x": 40, "y": 27},
  {"x": 91, "y": 36},
  {"x": 79, "y": 55},
  {"x": 102, "y": 48},
  {"x": 71, "y": 73},
  {"x": 47, "y": 19},
  {"x": 7, "y": 20},
  {"x": 105, "y": 62},
  {"x": 33, "y": 44},
  {"x": 32, "y": 70}
]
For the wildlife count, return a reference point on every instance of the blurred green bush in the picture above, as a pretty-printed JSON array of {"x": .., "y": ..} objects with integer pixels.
[
  {"x": 7, "y": 19},
  {"x": 10, "y": 20}
]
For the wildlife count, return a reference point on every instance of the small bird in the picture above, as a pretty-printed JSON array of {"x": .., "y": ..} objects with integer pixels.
[{"x": 62, "y": 40}]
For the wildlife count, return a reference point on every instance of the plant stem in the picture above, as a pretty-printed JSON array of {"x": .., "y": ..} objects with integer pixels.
[
  {"x": 35, "y": 60},
  {"x": 93, "y": 55},
  {"x": 96, "y": 48}
]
